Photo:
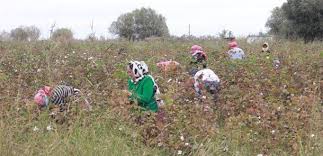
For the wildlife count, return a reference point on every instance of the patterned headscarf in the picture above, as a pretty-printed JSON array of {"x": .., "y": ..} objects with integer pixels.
[
  {"x": 136, "y": 69},
  {"x": 144, "y": 67}
]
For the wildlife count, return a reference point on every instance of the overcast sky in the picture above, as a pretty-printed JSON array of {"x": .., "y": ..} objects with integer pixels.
[{"x": 206, "y": 17}]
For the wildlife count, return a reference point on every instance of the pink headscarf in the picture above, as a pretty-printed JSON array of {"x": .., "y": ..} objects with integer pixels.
[
  {"x": 195, "y": 48},
  {"x": 41, "y": 98},
  {"x": 233, "y": 44}
]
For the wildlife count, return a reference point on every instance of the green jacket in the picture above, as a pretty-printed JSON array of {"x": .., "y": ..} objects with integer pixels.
[{"x": 143, "y": 93}]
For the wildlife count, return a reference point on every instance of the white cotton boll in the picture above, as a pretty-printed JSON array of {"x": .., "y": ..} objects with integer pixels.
[
  {"x": 49, "y": 128},
  {"x": 52, "y": 114},
  {"x": 179, "y": 152},
  {"x": 35, "y": 129},
  {"x": 182, "y": 137}
]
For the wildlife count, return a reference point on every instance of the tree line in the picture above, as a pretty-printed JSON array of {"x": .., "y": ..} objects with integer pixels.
[
  {"x": 297, "y": 19},
  {"x": 32, "y": 33}
]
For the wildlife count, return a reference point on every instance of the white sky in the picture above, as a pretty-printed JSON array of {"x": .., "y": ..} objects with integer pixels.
[{"x": 206, "y": 17}]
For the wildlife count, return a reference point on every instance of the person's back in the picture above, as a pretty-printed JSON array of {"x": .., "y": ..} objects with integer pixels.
[
  {"x": 143, "y": 93},
  {"x": 236, "y": 53},
  {"x": 208, "y": 79},
  {"x": 157, "y": 93},
  {"x": 206, "y": 75}
]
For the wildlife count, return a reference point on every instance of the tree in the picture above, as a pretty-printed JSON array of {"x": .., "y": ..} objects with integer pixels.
[
  {"x": 140, "y": 24},
  {"x": 226, "y": 34},
  {"x": 305, "y": 17},
  {"x": 62, "y": 34},
  {"x": 19, "y": 34},
  {"x": 25, "y": 33},
  {"x": 124, "y": 26},
  {"x": 298, "y": 19},
  {"x": 33, "y": 33},
  {"x": 5, "y": 36},
  {"x": 279, "y": 24}
]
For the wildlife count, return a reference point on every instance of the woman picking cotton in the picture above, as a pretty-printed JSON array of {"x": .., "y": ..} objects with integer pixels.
[
  {"x": 198, "y": 60},
  {"x": 141, "y": 87},
  {"x": 208, "y": 80},
  {"x": 265, "y": 48},
  {"x": 58, "y": 95},
  {"x": 234, "y": 51}
]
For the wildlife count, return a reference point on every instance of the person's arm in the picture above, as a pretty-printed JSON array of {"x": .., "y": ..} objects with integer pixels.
[{"x": 130, "y": 90}]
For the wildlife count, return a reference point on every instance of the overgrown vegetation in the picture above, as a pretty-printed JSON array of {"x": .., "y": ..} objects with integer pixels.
[{"x": 261, "y": 110}]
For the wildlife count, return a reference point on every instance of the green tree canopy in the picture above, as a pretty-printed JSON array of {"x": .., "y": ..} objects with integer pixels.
[
  {"x": 62, "y": 34},
  {"x": 298, "y": 19},
  {"x": 140, "y": 24}
]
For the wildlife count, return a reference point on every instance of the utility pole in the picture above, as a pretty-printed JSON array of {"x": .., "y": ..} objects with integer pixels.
[
  {"x": 51, "y": 30},
  {"x": 92, "y": 27},
  {"x": 189, "y": 30}
]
